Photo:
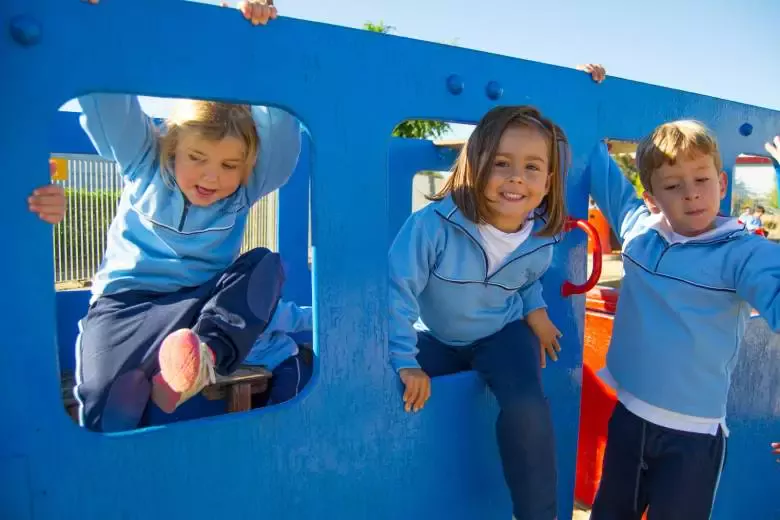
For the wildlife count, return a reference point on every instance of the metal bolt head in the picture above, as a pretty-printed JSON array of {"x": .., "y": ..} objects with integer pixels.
[
  {"x": 494, "y": 90},
  {"x": 25, "y": 30},
  {"x": 455, "y": 84}
]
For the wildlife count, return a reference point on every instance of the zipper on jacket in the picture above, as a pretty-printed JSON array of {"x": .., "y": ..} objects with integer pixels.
[
  {"x": 484, "y": 254},
  {"x": 184, "y": 214}
]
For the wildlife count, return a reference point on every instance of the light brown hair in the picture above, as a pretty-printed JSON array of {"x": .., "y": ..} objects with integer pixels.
[
  {"x": 213, "y": 121},
  {"x": 473, "y": 167},
  {"x": 683, "y": 139}
]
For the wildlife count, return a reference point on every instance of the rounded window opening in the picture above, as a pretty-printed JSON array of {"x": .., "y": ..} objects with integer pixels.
[
  {"x": 754, "y": 199},
  {"x": 175, "y": 296}
]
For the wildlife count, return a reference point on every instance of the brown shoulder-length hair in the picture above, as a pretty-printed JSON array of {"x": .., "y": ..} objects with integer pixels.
[{"x": 470, "y": 172}]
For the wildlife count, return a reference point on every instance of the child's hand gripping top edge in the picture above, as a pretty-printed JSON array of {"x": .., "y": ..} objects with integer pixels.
[
  {"x": 48, "y": 202},
  {"x": 548, "y": 334},
  {"x": 418, "y": 388},
  {"x": 256, "y": 11},
  {"x": 597, "y": 72},
  {"x": 776, "y": 450}
]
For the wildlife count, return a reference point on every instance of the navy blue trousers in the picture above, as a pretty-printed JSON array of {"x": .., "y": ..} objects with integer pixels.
[
  {"x": 287, "y": 381},
  {"x": 116, "y": 352},
  {"x": 509, "y": 363},
  {"x": 670, "y": 473}
]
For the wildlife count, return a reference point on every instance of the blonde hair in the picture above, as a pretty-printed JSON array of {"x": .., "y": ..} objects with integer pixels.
[
  {"x": 672, "y": 141},
  {"x": 209, "y": 120},
  {"x": 473, "y": 167}
]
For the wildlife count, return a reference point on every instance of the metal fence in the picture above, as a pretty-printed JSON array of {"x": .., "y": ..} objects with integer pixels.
[{"x": 93, "y": 187}]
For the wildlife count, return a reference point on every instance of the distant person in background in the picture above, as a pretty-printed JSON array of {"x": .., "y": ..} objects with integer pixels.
[
  {"x": 746, "y": 214},
  {"x": 753, "y": 222}
]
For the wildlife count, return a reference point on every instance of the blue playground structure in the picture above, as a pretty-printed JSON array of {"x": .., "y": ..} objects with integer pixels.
[{"x": 344, "y": 448}]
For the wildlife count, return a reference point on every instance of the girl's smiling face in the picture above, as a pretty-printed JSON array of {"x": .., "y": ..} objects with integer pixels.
[{"x": 519, "y": 178}]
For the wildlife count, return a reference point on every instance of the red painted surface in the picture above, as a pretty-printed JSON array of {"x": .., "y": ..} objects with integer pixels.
[
  {"x": 568, "y": 288},
  {"x": 753, "y": 159},
  {"x": 598, "y": 399}
]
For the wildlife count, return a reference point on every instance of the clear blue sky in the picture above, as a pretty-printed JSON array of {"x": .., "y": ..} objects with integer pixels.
[{"x": 711, "y": 47}]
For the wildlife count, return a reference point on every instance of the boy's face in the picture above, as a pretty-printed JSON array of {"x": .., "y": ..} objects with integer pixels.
[{"x": 688, "y": 193}]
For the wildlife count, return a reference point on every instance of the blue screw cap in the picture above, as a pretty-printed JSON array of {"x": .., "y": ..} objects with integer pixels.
[
  {"x": 25, "y": 30},
  {"x": 455, "y": 84},
  {"x": 494, "y": 90}
]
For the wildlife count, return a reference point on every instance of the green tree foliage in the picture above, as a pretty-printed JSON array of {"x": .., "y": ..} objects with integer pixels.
[
  {"x": 628, "y": 166},
  {"x": 416, "y": 129},
  {"x": 419, "y": 129},
  {"x": 380, "y": 27}
]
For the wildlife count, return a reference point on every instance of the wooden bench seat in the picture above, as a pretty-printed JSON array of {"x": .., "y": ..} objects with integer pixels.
[{"x": 237, "y": 389}]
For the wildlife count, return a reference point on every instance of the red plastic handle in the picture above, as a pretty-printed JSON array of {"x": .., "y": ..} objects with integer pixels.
[{"x": 568, "y": 288}]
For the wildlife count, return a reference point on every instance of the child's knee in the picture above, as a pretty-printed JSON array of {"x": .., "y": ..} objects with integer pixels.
[
  {"x": 255, "y": 256},
  {"x": 111, "y": 403},
  {"x": 265, "y": 284}
]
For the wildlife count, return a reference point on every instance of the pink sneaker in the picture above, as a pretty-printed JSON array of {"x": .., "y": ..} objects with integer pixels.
[{"x": 186, "y": 367}]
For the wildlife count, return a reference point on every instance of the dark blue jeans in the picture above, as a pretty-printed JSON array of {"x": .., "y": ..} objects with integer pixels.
[
  {"x": 288, "y": 380},
  {"x": 509, "y": 363},
  {"x": 116, "y": 354},
  {"x": 672, "y": 474}
]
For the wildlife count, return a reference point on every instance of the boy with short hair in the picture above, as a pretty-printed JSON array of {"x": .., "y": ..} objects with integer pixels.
[{"x": 691, "y": 279}]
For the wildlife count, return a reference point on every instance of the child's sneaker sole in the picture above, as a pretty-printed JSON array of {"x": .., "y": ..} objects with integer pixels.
[{"x": 186, "y": 366}]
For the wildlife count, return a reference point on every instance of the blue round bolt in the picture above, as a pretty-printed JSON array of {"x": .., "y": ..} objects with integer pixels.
[
  {"x": 455, "y": 84},
  {"x": 746, "y": 129},
  {"x": 25, "y": 30},
  {"x": 494, "y": 90}
]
